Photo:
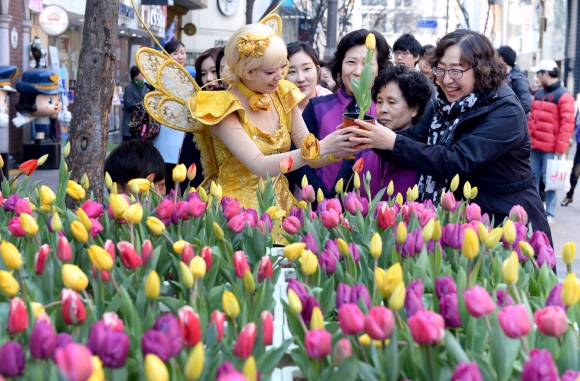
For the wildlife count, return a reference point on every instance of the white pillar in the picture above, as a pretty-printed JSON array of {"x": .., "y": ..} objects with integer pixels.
[{"x": 5, "y": 39}]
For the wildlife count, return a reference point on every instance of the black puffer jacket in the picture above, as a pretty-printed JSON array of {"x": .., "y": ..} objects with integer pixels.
[
  {"x": 490, "y": 148},
  {"x": 521, "y": 87}
]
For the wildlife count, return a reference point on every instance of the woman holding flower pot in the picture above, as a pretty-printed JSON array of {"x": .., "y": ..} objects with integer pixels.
[
  {"x": 323, "y": 114},
  {"x": 476, "y": 128}
]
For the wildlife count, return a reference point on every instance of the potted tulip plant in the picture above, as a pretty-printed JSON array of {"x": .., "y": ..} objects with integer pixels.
[{"x": 362, "y": 87}]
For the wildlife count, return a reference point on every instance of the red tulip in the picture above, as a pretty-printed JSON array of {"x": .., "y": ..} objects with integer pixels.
[
  {"x": 286, "y": 164},
  {"x": 379, "y": 323},
  {"x": 28, "y": 167},
  {"x": 245, "y": 343},
  {"x": 478, "y": 301},
  {"x": 15, "y": 228},
  {"x": 290, "y": 224},
  {"x": 267, "y": 325},
  {"x": 386, "y": 217},
  {"x": 40, "y": 258},
  {"x": 110, "y": 247},
  {"x": 330, "y": 218},
  {"x": 17, "y": 316},
  {"x": 63, "y": 250},
  {"x": 72, "y": 308},
  {"x": 351, "y": 319},
  {"x": 551, "y": 320},
  {"x": 187, "y": 254},
  {"x": 265, "y": 270},
  {"x": 111, "y": 320},
  {"x": 165, "y": 209},
  {"x": 358, "y": 165},
  {"x": 190, "y": 326},
  {"x": 515, "y": 321},
  {"x": 129, "y": 255},
  {"x": 318, "y": 343},
  {"x": 146, "y": 251},
  {"x": 105, "y": 275},
  {"x": 240, "y": 264},
  {"x": 74, "y": 360},
  {"x": 218, "y": 318},
  {"x": 207, "y": 257},
  {"x": 427, "y": 327}
]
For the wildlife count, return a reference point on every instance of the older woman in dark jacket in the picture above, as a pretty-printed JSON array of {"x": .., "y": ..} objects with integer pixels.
[{"x": 476, "y": 128}]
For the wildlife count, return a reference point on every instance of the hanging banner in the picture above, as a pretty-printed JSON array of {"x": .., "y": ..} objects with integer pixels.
[
  {"x": 35, "y": 5},
  {"x": 53, "y": 20}
]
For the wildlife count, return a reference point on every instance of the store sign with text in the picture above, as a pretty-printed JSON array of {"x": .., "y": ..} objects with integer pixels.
[
  {"x": 53, "y": 20},
  {"x": 154, "y": 17},
  {"x": 35, "y": 5}
]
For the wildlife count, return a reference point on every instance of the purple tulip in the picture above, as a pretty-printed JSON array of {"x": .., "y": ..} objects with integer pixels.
[
  {"x": 343, "y": 292},
  {"x": 13, "y": 359},
  {"x": 354, "y": 203},
  {"x": 445, "y": 285},
  {"x": 570, "y": 375},
  {"x": 225, "y": 369},
  {"x": 413, "y": 300},
  {"x": 328, "y": 262},
  {"x": 359, "y": 291},
  {"x": 521, "y": 234},
  {"x": 353, "y": 249},
  {"x": 298, "y": 213},
  {"x": 267, "y": 221},
  {"x": 169, "y": 325},
  {"x": 113, "y": 353},
  {"x": 10, "y": 202},
  {"x": 42, "y": 340},
  {"x": 540, "y": 367},
  {"x": 503, "y": 298},
  {"x": 466, "y": 372},
  {"x": 157, "y": 343},
  {"x": 539, "y": 239},
  {"x": 453, "y": 235},
  {"x": 449, "y": 310},
  {"x": 332, "y": 246},
  {"x": 299, "y": 289},
  {"x": 97, "y": 335},
  {"x": 546, "y": 255},
  {"x": 307, "y": 308},
  {"x": 407, "y": 249},
  {"x": 555, "y": 297},
  {"x": 327, "y": 204},
  {"x": 62, "y": 339},
  {"x": 310, "y": 243}
]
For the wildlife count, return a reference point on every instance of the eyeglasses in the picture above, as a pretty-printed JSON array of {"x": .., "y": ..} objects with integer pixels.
[
  {"x": 401, "y": 53},
  {"x": 453, "y": 73}
]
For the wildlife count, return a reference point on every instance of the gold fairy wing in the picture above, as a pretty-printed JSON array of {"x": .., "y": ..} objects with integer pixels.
[
  {"x": 273, "y": 21},
  {"x": 174, "y": 85}
]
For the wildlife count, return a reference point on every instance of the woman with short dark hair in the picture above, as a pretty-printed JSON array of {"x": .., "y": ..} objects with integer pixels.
[{"x": 476, "y": 128}]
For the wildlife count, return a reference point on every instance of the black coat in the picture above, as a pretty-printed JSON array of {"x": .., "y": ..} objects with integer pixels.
[
  {"x": 133, "y": 94},
  {"x": 490, "y": 148},
  {"x": 521, "y": 87}
]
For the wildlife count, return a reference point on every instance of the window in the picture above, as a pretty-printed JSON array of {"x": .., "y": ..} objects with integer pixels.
[
  {"x": 400, "y": 23},
  {"x": 375, "y": 21},
  {"x": 374, "y": 3}
]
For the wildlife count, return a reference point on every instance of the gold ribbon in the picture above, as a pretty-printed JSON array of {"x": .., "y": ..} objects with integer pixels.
[{"x": 257, "y": 101}]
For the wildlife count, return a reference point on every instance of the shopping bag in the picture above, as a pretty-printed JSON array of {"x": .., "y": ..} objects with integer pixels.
[{"x": 558, "y": 174}]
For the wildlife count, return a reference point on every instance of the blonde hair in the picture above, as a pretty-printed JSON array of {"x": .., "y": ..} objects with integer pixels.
[{"x": 239, "y": 65}]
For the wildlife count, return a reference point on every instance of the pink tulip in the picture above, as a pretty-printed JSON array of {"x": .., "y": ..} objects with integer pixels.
[
  {"x": 22, "y": 206},
  {"x": 231, "y": 209},
  {"x": 15, "y": 228},
  {"x": 478, "y": 301},
  {"x": 74, "y": 360},
  {"x": 318, "y": 343},
  {"x": 237, "y": 223},
  {"x": 427, "y": 327},
  {"x": 165, "y": 209},
  {"x": 245, "y": 343},
  {"x": 466, "y": 372},
  {"x": 196, "y": 208},
  {"x": 379, "y": 323},
  {"x": 291, "y": 225},
  {"x": 146, "y": 251},
  {"x": 92, "y": 209},
  {"x": 96, "y": 228},
  {"x": 473, "y": 212},
  {"x": 351, "y": 319},
  {"x": 519, "y": 214},
  {"x": 40, "y": 258},
  {"x": 267, "y": 326},
  {"x": 551, "y": 320},
  {"x": 342, "y": 350},
  {"x": 240, "y": 264},
  {"x": 308, "y": 194},
  {"x": 187, "y": 254},
  {"x": 330, "y": 219},
  {"x": 109, "y": 246},
  {"x": 63, "y": 250},
  {"x": 448, "y": 201},
  {"x": 515, "y": 321},
  {"x": 540, "y": 366}
]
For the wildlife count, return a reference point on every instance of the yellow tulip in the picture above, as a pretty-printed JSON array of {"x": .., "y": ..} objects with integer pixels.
[
  {"x": 401, "y": 235},
  {"x": 319, "y": 195},
  {"x": 55, "y": 223},
  {"x": 42, "y": 159},
  {"x": 114, "y": 189},
  {"x": 301, "y": 204},
  {"x": 85, "y": 182},
  {"x": 179, "y": 173},
  {"x": 37, "y": 308},
  {"x": 75, "y": 190},
  {"x": 397, "y": 298},
  {"x": 47, "y": 196},
  {"x": 467, "y": 190},
  {"x": 44, "y": 208},
  {"x": 473, "y": 193},
  {"x": 371, "y": 41},
  {"x": 294, "y": 302},
  {"x": 343, "y": 247},
  {"x": 84, "y": 219},
  {"x": 511, "y": 268},
  {"x": 98, "y": 373},
  {"x": 293, "y": 251},
  {"x": 454, "y": 183},
  {"x": 197, "y": 267},
  {"x": 380, "y": 275},
  {"x": 279, "y": 215},
  {"x": 304, "y": 182},
  {"x": 108, "y": 181},
  {"x": 186, "y": 275},
  {"x": 309, "y": 262},
  {"x": 155, "y": 369},
  {"x": 249, "y": 370},
  {"x": 339, "y": 186},
  {"x": 527, "y": 249},
  {"x": 152, "y": 285},
  {"x": 261, "y": 186},
  {"x": 11, "y": 256},
  {"x": 399, "y": 198},
  {"x": 202, "y": 194},
  {"x": 509, "y": 231},
  {"x": 470, "y": 246},
  {"x": 410, "y": 194},
  {"x": 155, "y": 225},
  {"x": 428, "y": 229},
  {"x": 356, "y": 180},
  {"x": 494, "y": 237},
  {"x": 100, "y": 258},
  {"x": 139, "y": 185},
  {"x": 28, "y": 224},
  {"x": 74, "y": 278},
  {"x": 482, "y": 232},
  {"x": 134, "y": 213},
  {"x": 213, "y": 189},
  {"x": 365, "y": 340},
  {"x": 218, "y": 232},
  {"x": 569, "y": 252},
  {"x": 79, "y": 231},
  {"x": 66, "y": 150},
  {"x": 179, "y": 245},
  {"x": 571, "y": 290},
  {"x": 195, "y": 361},
  {"x": 376, "y": 248},
  {"x": 1, "y": 162},
  {"x": 392, "y": 277},
  {"x": 249, "y": 282},
  {"x": 316, "y": 320},
  {"x": 230, "y": 305},
  {"x": 271, "y": 211},
  {"x": 8, "y": 285},
  {"x": 437, "y": 232},
  {"x": 118, "y": 204},
  {"x": 390, "y": 188}
]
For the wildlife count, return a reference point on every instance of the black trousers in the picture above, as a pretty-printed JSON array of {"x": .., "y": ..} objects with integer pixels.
[{"x": 575, "y": 173}]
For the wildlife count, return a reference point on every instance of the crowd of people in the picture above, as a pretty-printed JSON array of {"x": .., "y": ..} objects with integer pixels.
[{"x": 458, "y": 107}]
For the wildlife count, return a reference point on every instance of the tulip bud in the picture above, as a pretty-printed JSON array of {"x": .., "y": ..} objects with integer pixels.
[
  {"x": 319, "y": 195},
  {"x": 100, "y": 258},
  {"x": 134, "y": 213},
  {"x": 79, "y": 231},
  {"x": 74, "y": 278},
  {"x": 318, "y": 343},
  {"x": 286, "y": 164},
  {"x": 55, "y": 223},
  {"x": 571, "y": 290},
  {"x": 195, "y": 362},
  {"x": 509, "y": 231},
  {"x": 218, "y": 232},
  {"x": 454, "y": 183},
  {"x": 245, "y": 343},
  {"x": 473, "y": 193},
  {"x": 1, "y": 162},
  {"x": 17, "y": 316},
  {"x": 317, "y": 319},
  {"x": 401, "y": 234},
  {"x": 179, "y": 173},
  {"x": 397, "y": 298},
  {"x": 376, "y": 248},
  {"x": 294, "y": 302},
  {"x": 84, "y": 219},
  {"x": 467, "y": 190},
  {"x": 309, "y": 262},
  {"x": 568, "y": 252},
  {"x": 527, "y": 249},
  {"x": 339, "y": 185},
  {"x": 139, "y": 185},
  {"x": 410, "y": 194},
  {"x": 494, "y": 237},
  {"x": 293, "y": 251},
  {"x": 155, "y": 369},
  {"x": 448, "y": 201},
  {"x": 11, "y": 256},
  {"x": 8, "y": 285},
  {"x": 343, "y": 247},
  {"x": 470, "y": 246},
  {"x": 191, "y": 172},
  {"x": 428, "y": 230},
  {"x": 351, "y": 319},
  {"x": 85, "y": 182},
  {"x": 248, "y": 281},
  {"x": 47, "y": 196},
  {"x": 108, "y": 181},
  {"x": 152, "y": 285},
  {"x": 155, "y": 225},
  {"x": 356, "y": 180},
  {"x": 388, "y": 280},
  {"x": 511, "y": 268},
  {"x": 28, "y": 224},
  {"x": 186, "y": 275},
  {"x": 230, "y": 305},
  {"x": 249, "y": 370}
]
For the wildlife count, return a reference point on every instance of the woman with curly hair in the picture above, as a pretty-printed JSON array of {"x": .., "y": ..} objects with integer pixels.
[{"x": 476, "y": 128}]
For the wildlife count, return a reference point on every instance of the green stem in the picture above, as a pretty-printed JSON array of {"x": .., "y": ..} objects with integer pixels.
[
  {"x": 22, "y": 286},
  {"x": 431, "y": 365}
]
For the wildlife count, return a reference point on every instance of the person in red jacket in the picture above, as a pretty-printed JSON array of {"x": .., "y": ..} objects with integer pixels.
[{"x": 551, "y": 124}]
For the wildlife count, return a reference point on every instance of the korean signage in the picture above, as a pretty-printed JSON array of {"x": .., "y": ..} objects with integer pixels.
[
  {"x": 126, "y": 11},
  {"x": 154, "y": 17},
  {"x": 53, "y": 20},
  {"x": 35, "y": 5}
]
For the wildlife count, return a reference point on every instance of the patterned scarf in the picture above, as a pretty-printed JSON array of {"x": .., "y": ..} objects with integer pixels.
[{"x": 445, "y": 120}]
